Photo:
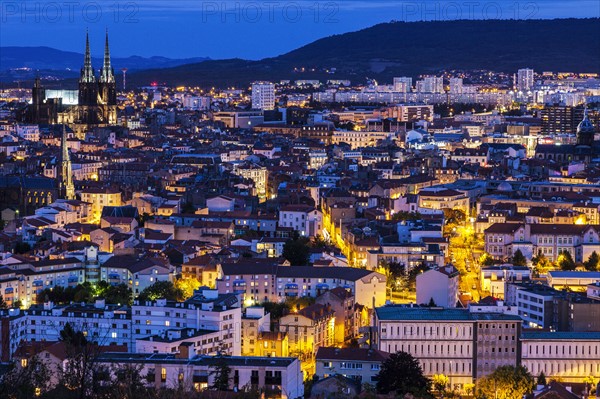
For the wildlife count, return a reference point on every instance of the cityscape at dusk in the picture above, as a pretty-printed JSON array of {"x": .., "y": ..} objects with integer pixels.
[{"x": 285, "y": 200}]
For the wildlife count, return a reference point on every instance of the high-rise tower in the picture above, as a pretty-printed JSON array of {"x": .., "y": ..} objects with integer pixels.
[{"x": 67, "y": 188}]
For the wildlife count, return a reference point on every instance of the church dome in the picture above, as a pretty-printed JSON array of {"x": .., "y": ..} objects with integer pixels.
[
  {"x": 585, "y": 131},
  {"x": 585, "y": 126}
]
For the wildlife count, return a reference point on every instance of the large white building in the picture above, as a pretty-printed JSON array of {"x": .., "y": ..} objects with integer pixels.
[
  {"x": 567, "y": 356},
  {"x": 211, "y": 322},
  {"x": 462, "y": 345},
  {"x": 263, "y": 95},
  {"x": 100, "y": 323},
  {"x": 271, "y": 282},
  {"x": 525, "y": 79},
  {"x": 280, "y": 377},
  {"x": 403, "y": 84},
  {"x": 204, "y": 311},
  {"x": 431, "y": 84},
  {"x": 456, "y": 85}
]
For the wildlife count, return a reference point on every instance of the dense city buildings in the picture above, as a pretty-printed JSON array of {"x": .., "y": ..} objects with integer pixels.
[{"x": 301, "y": 233}]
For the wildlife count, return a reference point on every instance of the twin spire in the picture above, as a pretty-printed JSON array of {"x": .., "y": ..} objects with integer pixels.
[{"x": 106, "y": 73}]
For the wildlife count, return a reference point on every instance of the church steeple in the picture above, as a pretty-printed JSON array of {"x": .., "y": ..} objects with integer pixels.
[
  {"x": 87, "y": 72},
  {"x": 107, "y": 75},
  {"x": 66, "y": 175}
]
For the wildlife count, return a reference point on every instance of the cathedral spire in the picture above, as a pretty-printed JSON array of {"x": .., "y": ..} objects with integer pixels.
[
  {"x": 87, "y": 73},
  {"x": 107, "y": 74},
  {"x": 66, "y": 175}
]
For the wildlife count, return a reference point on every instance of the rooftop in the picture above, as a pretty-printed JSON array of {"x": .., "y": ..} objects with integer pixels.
[{"x": 402, "y": 312}]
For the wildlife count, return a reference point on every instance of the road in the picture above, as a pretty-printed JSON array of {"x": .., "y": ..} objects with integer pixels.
[{"x": 465, "y": 249}]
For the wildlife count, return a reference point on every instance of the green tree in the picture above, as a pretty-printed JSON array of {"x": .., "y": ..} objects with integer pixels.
[
  {"x": 3, "y": 304},
  {"x": 401, "y": 373},
  {"x": 186, "y": 286},
  {"x": 118, "y": 294},
  {"x": 486, "y": 259},
  {"x": 440, "y": 382},
  {"x": 319, "y": 242},
  {"x": 541, "y": 380},
  {"x": 431, "y": 303},
  {"x": 297, "y": 251},
  {"x": 565, "y": 261},
  {"x": 28, "y": 381},
  {"x": 592, "y": 263},
  {"x": 518, "y": 259},
  {"x": 406, "y": 216},
  {"x": 188, "y": 208},
  {"x": 221, "y": 374},
  {"x": 413, "y": 273},
  {"x": 128, "y": 382},
  {"x": 541, "y": 263},
  {"x": 506, "y": 382},
  {"x": 454, "y": 216},
  {"x": 72, "y": 337},
  {"x": 276, "y": 309},
  {"x": 591, "y": 383},
  {"x": 161, "y": 289},
  {"x": 80, "y": 366},
  {"x": 469, "y": 387},
  {"x": 22, "y": 247}
]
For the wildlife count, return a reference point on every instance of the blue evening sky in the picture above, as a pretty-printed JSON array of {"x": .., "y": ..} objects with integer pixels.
[{"x": 240, "y": 28}]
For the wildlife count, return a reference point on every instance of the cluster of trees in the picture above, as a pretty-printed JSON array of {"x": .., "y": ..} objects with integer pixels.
[
  {"x": 506, "y": 382},
  {"x": 401, "y": 374},
  {"x": 280, "y": 309},
  {"x": 542, "y": 264},
  {"x": 564, "y": 261},
  {"x": 453, "y": 218},
  {"x": 406, "y": 216},
  {"x": 180, "y": 290},
  {"x": 397, "y": 277},
  {"x": 297, "y": 250},
  {"x": 87, "y": 292}
]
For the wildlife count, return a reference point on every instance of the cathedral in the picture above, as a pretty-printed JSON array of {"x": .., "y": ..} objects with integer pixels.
[{"x": 97, "y": 98}]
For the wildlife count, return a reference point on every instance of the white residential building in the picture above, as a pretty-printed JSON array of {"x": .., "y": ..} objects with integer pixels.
[
  {"x": 263, "y": 95},
  {"x": 280, "y": 376},
  {"x": 403, "y": 84},
  {"x": 304, "y": 219},
  {"x": 205, "y": 311},
  {"x": 525, "y": 79},
  {"x": 431, "y": 84}
]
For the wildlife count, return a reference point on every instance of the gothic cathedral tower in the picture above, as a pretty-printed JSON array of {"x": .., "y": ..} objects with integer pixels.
[
  {"x": 107, "y": 89},
  {"x": 88, "y": 90}
]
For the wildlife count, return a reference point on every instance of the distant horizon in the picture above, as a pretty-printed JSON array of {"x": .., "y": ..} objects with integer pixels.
[
  {"x": 97, "y": 51},
  {"x": 251, "y": 30}
]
